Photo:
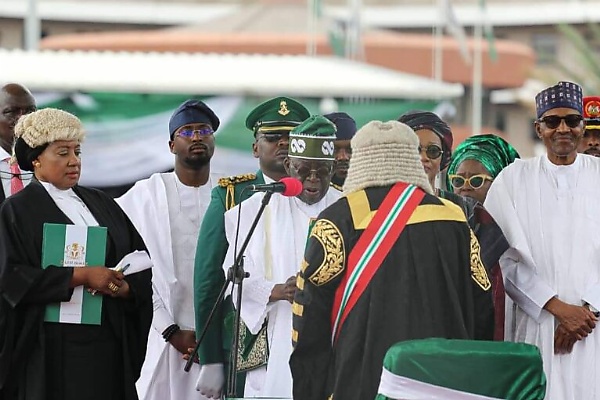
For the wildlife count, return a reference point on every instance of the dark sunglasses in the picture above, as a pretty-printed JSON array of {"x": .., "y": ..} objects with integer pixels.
[
  {"x": 475, "y": 181},
  {"x": 274, "y": 137},
  {"x": 433, "y": 151},
  {"x": 188, "y": 133},
  {"x": 321, "y": 173},
  {"x": 553, "y": 121}
]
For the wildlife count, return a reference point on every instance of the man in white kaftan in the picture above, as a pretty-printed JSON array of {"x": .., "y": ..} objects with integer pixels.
[
  {"x": 545, "y": 207},
  {"x": 167, "y": 209},
  {"x": 274, "y": 254}
]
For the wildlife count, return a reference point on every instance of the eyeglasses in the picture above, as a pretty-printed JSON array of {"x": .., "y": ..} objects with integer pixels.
[
  {"x": 274, "y": 137},
  {"x": 188, "y": 133},
  {"x": 433, "y": 151},
  {"x": 553, "y": 121},
  {"x": 475, "y": 181},
  {"x": 321, "y": 173}
]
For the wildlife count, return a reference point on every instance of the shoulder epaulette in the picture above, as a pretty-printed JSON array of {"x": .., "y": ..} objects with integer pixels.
[
  {"x": 235, "y": 179},
  {"x": 229, "y": 183}
]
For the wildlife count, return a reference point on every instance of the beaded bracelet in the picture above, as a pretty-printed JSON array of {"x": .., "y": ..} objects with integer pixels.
[{"x": 170, "y": 331}]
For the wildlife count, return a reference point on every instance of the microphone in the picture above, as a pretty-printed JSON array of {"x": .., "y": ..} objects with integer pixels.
[{"x": 287, "y": 186}]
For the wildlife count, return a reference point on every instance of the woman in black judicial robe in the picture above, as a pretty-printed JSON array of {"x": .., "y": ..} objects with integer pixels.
[{"x": 42, "y": 360}]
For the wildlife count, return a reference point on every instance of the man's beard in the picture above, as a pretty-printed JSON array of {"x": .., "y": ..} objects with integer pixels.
[{"x": 198, "y": 162}]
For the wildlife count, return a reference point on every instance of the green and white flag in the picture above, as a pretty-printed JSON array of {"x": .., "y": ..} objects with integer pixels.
[
  {"x": 447, "y": 369},
  {"x": 74, "y": 246}
]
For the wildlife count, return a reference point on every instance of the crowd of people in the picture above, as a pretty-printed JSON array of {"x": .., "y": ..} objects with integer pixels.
[{"x": 394, "y": 236}]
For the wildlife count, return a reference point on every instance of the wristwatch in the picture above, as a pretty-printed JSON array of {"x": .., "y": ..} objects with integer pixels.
[{"x": 593, "y": 309}]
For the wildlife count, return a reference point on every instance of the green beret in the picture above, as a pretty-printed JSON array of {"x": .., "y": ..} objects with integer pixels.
[
  {"x": 314, "y": 139},
  {"x": 280, "y": 113}
]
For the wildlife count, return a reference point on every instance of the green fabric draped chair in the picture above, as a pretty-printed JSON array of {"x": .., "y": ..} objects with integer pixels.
[{"x": 444, "y": 369}]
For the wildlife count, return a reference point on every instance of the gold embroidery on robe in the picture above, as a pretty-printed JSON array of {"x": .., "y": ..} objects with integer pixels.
[
  {"x": 297, "y": 309},
  {"x": 303, "y": 265},
  {"x": 333, "y": 250},
  {"x": 258, "y": 354},
  {"x": 478, "y": 272}
]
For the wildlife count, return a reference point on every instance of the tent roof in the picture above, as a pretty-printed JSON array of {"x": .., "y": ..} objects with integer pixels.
[
  {"x": 124, "y": 12},
  {"x": 515, "y": 13},
  {"x": 501, "y": 14},
  {"x": 215, "y": 74}
]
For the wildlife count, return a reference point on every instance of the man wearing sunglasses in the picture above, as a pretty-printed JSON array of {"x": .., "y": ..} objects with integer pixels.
[
  {"x": 167, "y": 210},
  {"x": 270, "y": 123},
  {"x": 590, "y": 142},
  {"x": 546, "y": 208}
]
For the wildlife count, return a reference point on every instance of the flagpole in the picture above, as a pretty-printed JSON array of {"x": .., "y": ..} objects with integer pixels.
[
  {"x": 311, "y": 23},
  {"x": 438, "y": 54},
  {"x": 477, "y": 78},
  {"x": 32, "y": 26},
  {"x": 353, "y": 49}
]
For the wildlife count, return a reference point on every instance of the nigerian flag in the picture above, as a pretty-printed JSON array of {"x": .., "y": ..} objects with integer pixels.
[
  {"x": 443, "y": 369},
  {"x": 74, "y": 246}
]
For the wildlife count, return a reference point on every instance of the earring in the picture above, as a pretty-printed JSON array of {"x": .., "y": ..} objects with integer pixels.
[{"x": 36, "y": 164}]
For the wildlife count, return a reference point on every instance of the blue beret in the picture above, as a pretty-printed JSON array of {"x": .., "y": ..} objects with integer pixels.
[
  {"x": 345, "y": 124},
  {"x": 192, "y": 112},
  {"x": 563, "y": 94}
]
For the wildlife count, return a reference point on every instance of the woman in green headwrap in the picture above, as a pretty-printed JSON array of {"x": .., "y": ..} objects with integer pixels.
[
  {"x": 474, "y": 165},
  {"x": 476, "y": 162}
]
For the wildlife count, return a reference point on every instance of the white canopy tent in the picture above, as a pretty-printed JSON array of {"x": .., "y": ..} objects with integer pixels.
[
  {"x": 214, "y": 74},
  {"x": 120, "y": 149}
]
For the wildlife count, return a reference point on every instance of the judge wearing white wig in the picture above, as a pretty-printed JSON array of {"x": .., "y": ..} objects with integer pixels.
[
  {"x": 387, "y": 262},
  {"x": 57, "y": 360}
]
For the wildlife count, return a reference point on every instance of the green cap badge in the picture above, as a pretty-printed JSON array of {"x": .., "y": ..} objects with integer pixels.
[
  {"x": 276, "y": 115},
  {"x": 313, "y": 139}
]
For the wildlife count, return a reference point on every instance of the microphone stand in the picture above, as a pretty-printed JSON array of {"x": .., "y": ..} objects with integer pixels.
[{"x": 235, "y": 275}]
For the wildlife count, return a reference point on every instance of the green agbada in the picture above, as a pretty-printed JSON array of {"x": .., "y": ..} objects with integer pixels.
[{"x": 493, "y": 152}]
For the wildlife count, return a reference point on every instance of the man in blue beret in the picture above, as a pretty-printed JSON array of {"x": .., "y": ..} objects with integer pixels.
[
  {"x": 346, "y": 128},
  {"x": 270, "y": 123},
  {"x": 546, "y": 208},
  {"x": 167, "y": 209}
]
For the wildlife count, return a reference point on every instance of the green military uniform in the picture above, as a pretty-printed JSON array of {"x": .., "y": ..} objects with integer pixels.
[
  {"x": 208, "y": 275},
  {"x": 271, "y": 117}
]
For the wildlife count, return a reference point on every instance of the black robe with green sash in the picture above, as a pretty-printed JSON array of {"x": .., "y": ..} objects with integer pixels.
[
  {"x": 48, "y": 361},
  {"x": 423, "y": 288}
]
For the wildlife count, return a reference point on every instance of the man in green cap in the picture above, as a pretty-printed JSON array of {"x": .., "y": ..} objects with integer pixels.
[
  {"x": 270, "y": 122},
  {"x": 274, "y": 254}
]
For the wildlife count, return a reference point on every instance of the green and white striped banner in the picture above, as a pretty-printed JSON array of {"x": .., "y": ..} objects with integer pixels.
[
  {"x": 74, "y": 246},
  {"x": 127, "y": 133}
]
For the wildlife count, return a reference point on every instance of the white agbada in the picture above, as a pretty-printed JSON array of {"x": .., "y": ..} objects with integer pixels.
[
  {"x": 548, "y": 214},
  {"x": 274, "y": 253},
  {"x": 168, "y": 215}
]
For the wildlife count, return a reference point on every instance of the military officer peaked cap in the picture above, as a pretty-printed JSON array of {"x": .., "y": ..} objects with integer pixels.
[{"x": 276, "y": 115}]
